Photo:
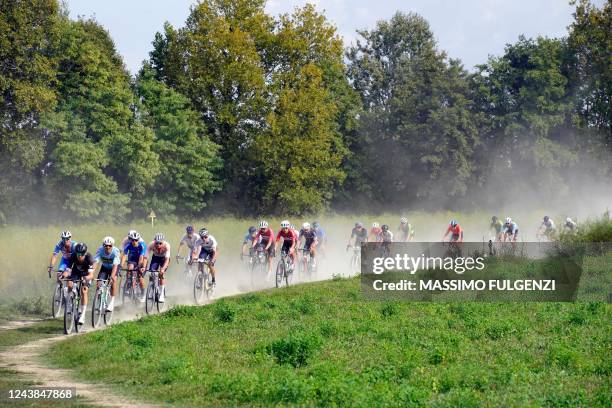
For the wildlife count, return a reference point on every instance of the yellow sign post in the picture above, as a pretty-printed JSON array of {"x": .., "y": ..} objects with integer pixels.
[{"x": 152, "y": 216}]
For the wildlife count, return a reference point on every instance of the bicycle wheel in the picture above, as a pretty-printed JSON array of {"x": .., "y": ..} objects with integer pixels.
[
  {"x": 58, "y": 301},
  {"x": 108, "y": 316},
  {"x": 161, "y": 306},
  {"x": 96, "y": 309},
  {"x": 288, "y": 275},
  {"x": 280, "y": 273},
  {"x": 69, "y": 312},
  {"x": 150, "y": 299},
  {"x": 198, "y": 287},
  {"x": 125, "y": 290}
]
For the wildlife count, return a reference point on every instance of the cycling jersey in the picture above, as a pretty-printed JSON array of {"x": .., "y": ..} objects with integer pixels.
[
  {"x": 107, "y": 260},
  {"x": 386, "y": 236},
  {"x": 359, "y": 235},
  {"x": 266, "y": 236},
  {"x": 320, "y": 234},
  {"x": 65, "y": 247},
  {"x": 498, "y": 226},
  {"x": 456, "y": 231},
  {"x": 406, "y": 231},
  {"x": 309, "y": 235},
  {"x": 134, "y": 252},
  {"x": 287, "y": 236},
  {"x": 162, "y": 251},
  {"x": 80, "y": 268},
  {"x": 190, "y": 242},
  {"x": 208, "y": 245},
  {"x": 376, "y": 232},
  {"x": 511, "y": 228}
]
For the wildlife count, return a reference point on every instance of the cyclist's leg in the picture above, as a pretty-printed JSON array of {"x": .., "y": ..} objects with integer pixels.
[{"x": 211, "y": 266}]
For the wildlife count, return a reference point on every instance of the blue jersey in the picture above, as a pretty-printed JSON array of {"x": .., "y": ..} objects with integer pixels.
[
  {"x": 134, "y": 252},
  {"x": 248, "y": 238},
  {"x": 108, "y": 260},
  {"x": 65, "y": 247},
  {"x": 320, "y": 234}
]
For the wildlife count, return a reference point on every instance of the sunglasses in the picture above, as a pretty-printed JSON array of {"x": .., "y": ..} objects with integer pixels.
[
  {"x": 108, "y": 246},
  {"x": 134, "y": 240},
  {"x": 158, "y": 243},
  {"x": 80, "y": 253}
]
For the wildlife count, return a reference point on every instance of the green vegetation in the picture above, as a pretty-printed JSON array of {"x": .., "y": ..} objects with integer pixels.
[
  {"x": 321, "y": 344},
  {"x": 240, "y": 107}
]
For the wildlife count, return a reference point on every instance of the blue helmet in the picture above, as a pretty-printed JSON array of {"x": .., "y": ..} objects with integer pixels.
[
  {"x": 252, "y": 229},
  {"x": 189, "y": 229}
]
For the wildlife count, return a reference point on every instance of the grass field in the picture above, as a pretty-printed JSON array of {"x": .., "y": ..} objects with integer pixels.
[{"x": 320, "y": 344}]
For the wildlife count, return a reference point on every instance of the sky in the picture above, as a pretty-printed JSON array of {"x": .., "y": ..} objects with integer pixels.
[{"x": 470, "y": 30}]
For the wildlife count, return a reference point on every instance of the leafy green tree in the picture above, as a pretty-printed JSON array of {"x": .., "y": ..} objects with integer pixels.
[
  {"x": 189, "y": 160},
  {"x": 298, "y": 157},
  {"x": 95, "y": 113},
  {"x": 418, "y": 125},
  {"x": 28, "y": 36}
]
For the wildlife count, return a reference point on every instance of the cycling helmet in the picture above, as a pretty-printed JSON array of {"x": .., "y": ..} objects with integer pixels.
[
  {"x": 189, "y": 229},
  {"x": 285, "y": 224},
  {"x": 203, "y": 232},
  {"x": 66, "y": 234},
  {"x": 568, "y": 220},
  {"x": 80, "y": 249},
  {"x": 385, "y": 227},
  {"x": 292, "y": 226},
  {"x": 494, "y": 218},
  {"x": 375, "y": 225},
  {"x": 546, "y": 218},
  {"x": 359, "y": 224},
  {"x": 404, "y": 220},
  {"x": 108, "y": 241},
  {"x": 453, "y": 223},
  {"x": 159, "y": 237},
  {"x": 263, "y": 224},
  {"x": 252, "y": 229},
  {"x": 316, "y": 225},
  {"x": 306, "y": 226},
  {"x": 508, "y": 220},
  {"x": 134, "y": 235}
]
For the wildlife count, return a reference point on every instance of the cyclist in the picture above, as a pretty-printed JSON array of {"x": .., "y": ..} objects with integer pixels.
[
  {"x": 310, "y": 242},
  {"x": 510, "y": 230},
  {"x": 375, "y": 231},
  {"x": 126, "y": 240},
  {"x": 570, "y": 225},
  {"x": 160, "y": 260},
  {"x": 321, "y": 237},
  {"x": 455, "y": 230},
  {"x": 206, "y": 248},
  {"x": 265, "y": 238},
  {"x": 80, "y": 267},
  {"x": 405, "y": 230},
  {"x": 359, "y": 233},
  {"x": 249, "y": 240},
  {"x": 134, "y": 253},
  {"x": 497, "y": 226},
  {"x": 66, "y": 248},
  {"x": 547, "y": 228},
  {"x": 289, "y": 240},
  {"x": 108, "y": 256},
  {"x": 386, "y": 236},
  {"x": 188, "y": 240}
]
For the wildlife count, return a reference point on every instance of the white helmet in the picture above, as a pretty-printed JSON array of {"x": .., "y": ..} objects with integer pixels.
[
  {"x": 375, "y": 225},
  {"x": 568, "y": 220},
  {"x": 134, "y": 235},
  {"x": 285, "y": 224},
  {"x": 159, "y": 237},
  {"x": 66, "y": 235},
  {"x": 508, "y": 220},
  {"x": 292, "y": 226},
  {"x": 404, "y": 220},
  {"x": 306, "y": 226},
  {"x": 108, "y": 241},
  {"x": 263, "y": 224}
]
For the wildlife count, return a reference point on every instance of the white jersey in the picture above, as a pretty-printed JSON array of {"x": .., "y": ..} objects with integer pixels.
[
  {"x": 163, "y": 251},
  {"x": 190, "y": 242},
  {"x": 386, "y": 236},
  {"x": 209, "y": 245}
]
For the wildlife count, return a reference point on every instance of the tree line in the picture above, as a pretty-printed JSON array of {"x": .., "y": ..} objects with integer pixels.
[{"x": 241, "y": 112}]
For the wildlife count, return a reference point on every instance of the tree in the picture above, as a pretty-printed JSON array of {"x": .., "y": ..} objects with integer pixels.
[
  {"x": 418, "y": 126},
  {"x": 188, "y": 158},
  {"x": 28, "y": 36}
]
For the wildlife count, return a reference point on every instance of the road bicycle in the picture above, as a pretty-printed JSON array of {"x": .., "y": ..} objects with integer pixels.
[
  {"x": 307, "y": 268},
  {"x": 71, "y": 306},
  {"x": 154, "y": 291},
  {"x": 355, "y": 263},
  {"x": 202, "y": 284},
  {"x": 284, "y": 270},
  {"x": 188, "y": 273},
  {"x": 57, "y": 301},
  {"x": 258, "y": 263},
  {"x": 100, "y": 303},
  {"x": 131, "y": 290}
]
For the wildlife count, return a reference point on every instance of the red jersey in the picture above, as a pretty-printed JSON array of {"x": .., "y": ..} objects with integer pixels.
[
  {"x": 456, "y": 230},
  {"x": 288, "y": 235},
  {"x": 266, "y": 236}
]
